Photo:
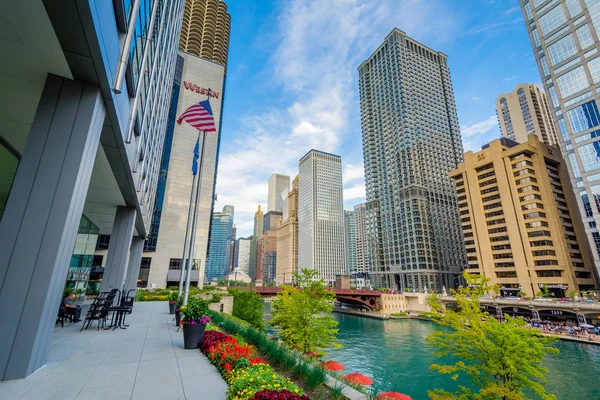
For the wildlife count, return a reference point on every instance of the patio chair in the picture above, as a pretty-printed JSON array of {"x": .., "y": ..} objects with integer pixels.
[{"x": 98, "y": 310}]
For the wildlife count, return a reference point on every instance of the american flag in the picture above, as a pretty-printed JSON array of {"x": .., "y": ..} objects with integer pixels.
[{"x": 199, "y": 116}]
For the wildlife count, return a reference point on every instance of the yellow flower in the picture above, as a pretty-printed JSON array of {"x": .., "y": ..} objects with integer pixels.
[
  {"x": 251, "y": 379},
  {"x": 274, "y": 376}
]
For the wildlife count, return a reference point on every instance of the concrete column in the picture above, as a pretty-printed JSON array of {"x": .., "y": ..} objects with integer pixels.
[
  {"x": 117, "y": 258},
  {"x": 40, "y": 223},
  {"x": 135, "y": 258}
]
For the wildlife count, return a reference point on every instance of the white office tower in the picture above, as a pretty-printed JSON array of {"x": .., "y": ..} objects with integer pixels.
[
  {"x": 279, "y": 187},
  {"x": 321, "y": 243}
]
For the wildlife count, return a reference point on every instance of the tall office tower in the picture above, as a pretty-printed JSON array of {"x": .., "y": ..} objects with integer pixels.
[
  {"x": 199, "y": 77},
  {"x": 258, "y": 231},
  {"x": 82, "y": 125},
  {"x": 411, "y": 140},
  {"x": 279, "y": 187},
  {"x": 242, "y": 254},
  {"x": 217, "y": 265},
  {"x": 521, "y": 227},
  {"x": 525, "y": 111},
  {"x": 266, "y": 263},
  {"x": 350, "y": 235},
  {"x": 362, "y": 254},
  {"x": 321, "y": 244},
  {"x": 564, "y": 36},
  {"x": 287, "y": 239},
  {"x": 205, "y": 30}
]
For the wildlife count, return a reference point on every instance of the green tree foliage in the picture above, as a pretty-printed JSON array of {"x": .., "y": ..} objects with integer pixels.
[
  {"x": 503, "y": 359},
  {"x": 248, "y": 306},
  {"x": 434, "y": 302},
  {"x": 544, "y": 292},
  {"x": 302, "y": 315}
]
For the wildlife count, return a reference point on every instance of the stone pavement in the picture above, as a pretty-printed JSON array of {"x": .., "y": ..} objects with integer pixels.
[{"x": 145, "y": 361}]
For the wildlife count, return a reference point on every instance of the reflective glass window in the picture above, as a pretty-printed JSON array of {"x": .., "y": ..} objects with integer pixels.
[
  {"x": 552, "y": 19},
  {"x": 572, "y": 82},
  {"x": 574, "y": 7},
  {"x": 584, "y": 117},
  {"x": 561, "y": 50},
  {"x": 585, "y": 36},
  {"x": 590, "y": 156}
]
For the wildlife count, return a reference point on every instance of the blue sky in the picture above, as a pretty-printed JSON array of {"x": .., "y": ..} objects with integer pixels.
[{"x": 292, "y": 82}]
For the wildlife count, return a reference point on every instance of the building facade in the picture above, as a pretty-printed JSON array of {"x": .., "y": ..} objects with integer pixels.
[
  {"x": 287, "y": 239},
  {"x": 266, "y": 264},
  {"x": 321, "y": 243},
  {"x": 164, "y": 247},
  {"x": 521, "y": 226},
  {"x": 82, "y": 124},
  {"x": 411, "y": 140},
  {"x": 279, "y": 187},
  {"x": 565, "y": 38},
  {"x": 217, "y": 265},
  {"x": 242, "y": 254},
  {"x": 258, "y": 231},
  {"x": 350, "y": 235},
  {"x": 525, "y": 111},
  {"x": 363, "y": 264}
]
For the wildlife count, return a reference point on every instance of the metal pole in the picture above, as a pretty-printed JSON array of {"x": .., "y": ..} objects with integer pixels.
[
  {"x": 194, "y": 223},
  {"x": 187, "y": 235},
  {"x": 122, "y": 66}
]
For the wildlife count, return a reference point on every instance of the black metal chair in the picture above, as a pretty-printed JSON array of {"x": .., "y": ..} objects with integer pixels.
[{"x": 98, "y": 310}]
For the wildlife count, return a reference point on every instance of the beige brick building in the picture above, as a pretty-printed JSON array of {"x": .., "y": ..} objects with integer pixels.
[
  {"x": 520, "y": 223},
  {"x": 525, "y": 111},
  {"x": 287, "y": 240}
]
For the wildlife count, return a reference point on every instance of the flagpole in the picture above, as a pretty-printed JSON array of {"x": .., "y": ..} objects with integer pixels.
[
  {"x": 194, "y": 224},
  {"x": 187, "y": 235}
]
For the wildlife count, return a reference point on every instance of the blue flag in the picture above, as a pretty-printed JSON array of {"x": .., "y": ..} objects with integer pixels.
[{"x": 196, "y": 155}]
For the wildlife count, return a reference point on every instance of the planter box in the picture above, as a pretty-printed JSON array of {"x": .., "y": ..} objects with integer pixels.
[{"x": 192, "y": 334}]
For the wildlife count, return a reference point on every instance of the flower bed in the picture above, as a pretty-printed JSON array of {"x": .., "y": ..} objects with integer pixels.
[{"x": 247, "y": 375}]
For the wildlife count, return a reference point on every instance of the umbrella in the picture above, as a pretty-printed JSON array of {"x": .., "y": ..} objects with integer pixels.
[
  {"x": 586, "y": 326},
  {"x": 332, "y": 365},
  {"x": 358, "y": 379},
  {"x": 393, "y": 396}
]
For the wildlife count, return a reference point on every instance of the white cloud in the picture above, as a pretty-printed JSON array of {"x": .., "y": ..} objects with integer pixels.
[
  {"x": 319, "y": 46},
  {"x": 508, "y": 79},
  {"x": 475, "y": 134},
  {"x": 475, "y": 98}
]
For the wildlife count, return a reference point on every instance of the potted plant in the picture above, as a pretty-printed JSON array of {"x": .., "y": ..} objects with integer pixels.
[
  {"x": 178, "y": 311},
  {"x": 194, "y": 320},
  {"x": 172, "y": 300}
]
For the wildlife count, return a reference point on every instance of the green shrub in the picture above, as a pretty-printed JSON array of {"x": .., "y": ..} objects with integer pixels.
[
  {"x": 248, "y": 306},
  {"x": 400, "y": 314}
]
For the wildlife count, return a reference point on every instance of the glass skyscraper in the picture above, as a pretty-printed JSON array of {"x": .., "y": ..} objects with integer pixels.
[
  {"x": 564, "y": 36},
  {"x": 411, "y": 141},
  {"x": 219, "y": 251}
]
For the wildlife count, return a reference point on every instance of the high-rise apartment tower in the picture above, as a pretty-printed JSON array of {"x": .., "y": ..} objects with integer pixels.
[
  {"x": 287, "y": 239},
  {"x": 279, "y": 187},
  {"x": 411, "y": 140},
  {"x": 525, "y": 111},
  {"x": 564, "y": 36}
]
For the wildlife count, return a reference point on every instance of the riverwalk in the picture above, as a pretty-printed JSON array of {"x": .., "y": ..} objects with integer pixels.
[{"x": 145, "y": 361}]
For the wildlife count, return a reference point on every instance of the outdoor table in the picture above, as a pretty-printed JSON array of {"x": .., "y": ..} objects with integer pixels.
[{"x": 118, "y": 317}]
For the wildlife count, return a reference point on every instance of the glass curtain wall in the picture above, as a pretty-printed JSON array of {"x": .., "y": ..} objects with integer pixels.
[{"x": 82, "y": 259}]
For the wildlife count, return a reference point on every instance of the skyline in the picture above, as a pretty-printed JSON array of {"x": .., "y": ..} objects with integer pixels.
[{"x": 305, "y": 102}]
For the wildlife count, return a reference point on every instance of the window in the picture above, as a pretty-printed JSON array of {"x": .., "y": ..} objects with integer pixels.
[
  {"x": 501, "y": 247},
  {"x": 535, "y": 224},
  {"x": 145, "y": 263},
  {"x": 590, "y": 154},
  {"x": 484, "y": 168},
  {"x": 506, "y": 274},
  {"x": 487, "y": 183},
  {"x": 490, "y": 198},
  {"x": 538, "y": 253},
  {"x": 502, "y": 256},
  {"x": 486, "y": 175},
  {"x": 536, "y": 214},
  {"x": 494, "y": 214},
  {"x": 529, "y": 188},
  {"x": 489, "y": 190},
  {"x": 496, "y": 222},
  {"x": 526, "y": 180},
  {"x": 561, "y": 50},
  {"x": 103, "y": 242},
  {"x": 552, "y": 19},
  {"x": 572, "y": 82},
  {"x": 594, "y": 66},
  {"x": 497, "y": 230},
  {"x": 549, "y": 274},
  {"x": 574, "y": 7},
  {"x": 522, "y": 164},
  {"x": 175, "y": 263},
  {"x": 530, "y": 197},
  {"x": 525, "y": 172},
  {"x": 532, "y": 206},
  {"x": 508, "y": 264},
  {"x": 499, "y": 239},
  {"x": 585, "y": 36},
  {"x": 585, "y": 116},
  {"x": 491, "y": 206},
  {"x": 541, "y": 263},
  {"x": 537, "y": 243}
]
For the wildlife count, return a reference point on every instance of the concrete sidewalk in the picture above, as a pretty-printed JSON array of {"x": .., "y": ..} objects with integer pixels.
[{"x": 145, "y": 361}]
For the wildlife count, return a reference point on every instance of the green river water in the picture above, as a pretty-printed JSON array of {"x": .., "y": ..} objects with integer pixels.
[{"x": 395, "y": 355}]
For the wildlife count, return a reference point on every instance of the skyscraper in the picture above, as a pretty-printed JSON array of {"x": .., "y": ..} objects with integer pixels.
[
  {"x": 258, "y": 231},
  {"x": 521, "y": 227},
  {"x": 564, "y": 36},
  {"x": 525, "y": 111},
  {"x": 321, "y": 244},
  {"x": 200, "y": 76},
  {"x": 266, "y": 262},
  {"x": 363, "y": 263},
  {"x": 350, "y": 236},
  {"x": 411, "y": 140},
  {"x": 287, "y": 239},
  {"x": 217, "y": 265},
  {"x": 205, "y": 30},
  {"x": 85, "y": 104},
  {"x": 279, "y": 186},
  {"x": 242, "y": 254}
]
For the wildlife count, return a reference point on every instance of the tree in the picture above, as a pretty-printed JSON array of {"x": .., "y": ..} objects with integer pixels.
[
  {"x": 248, "y": 306},
  {"x": 502, "y": 358},
  {"x": 433, "y": 301},
  {"x": 302, "y": 315},
  {"x": 544, "y": 292}
]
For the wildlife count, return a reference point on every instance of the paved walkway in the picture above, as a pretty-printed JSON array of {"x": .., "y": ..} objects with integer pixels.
[{"x": 145, "y": 361}]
